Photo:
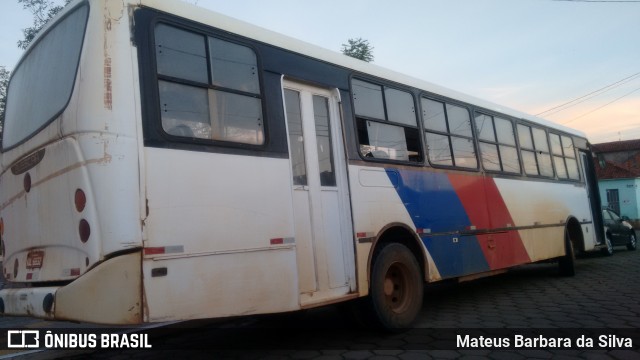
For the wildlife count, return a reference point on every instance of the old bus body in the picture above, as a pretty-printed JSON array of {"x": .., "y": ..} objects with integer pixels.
[{"x": 162, "y": 162}]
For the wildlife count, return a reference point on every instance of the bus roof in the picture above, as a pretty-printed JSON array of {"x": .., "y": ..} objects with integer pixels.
[{"x": 223, "y": 22}]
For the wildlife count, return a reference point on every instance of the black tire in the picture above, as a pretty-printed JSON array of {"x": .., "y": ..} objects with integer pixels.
[
  {"x": 633, "y": 242},
  {"x": 566, "y": 265},
  {"x": 608, "y": 251},
  {"x": 397, "y": 288}
]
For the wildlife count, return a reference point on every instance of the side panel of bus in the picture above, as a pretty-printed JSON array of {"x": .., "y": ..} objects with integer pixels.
[
  {"x": 469, "y": 224},
  {"x": 228, "y": 232},
  {"x": 197, "y": 234},
  {"x": 469, "y": 220},
  {"x": 215, "y": 217}
]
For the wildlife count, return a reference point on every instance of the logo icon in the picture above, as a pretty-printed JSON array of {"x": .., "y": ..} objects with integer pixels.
[{"x": 21, "y": 339}]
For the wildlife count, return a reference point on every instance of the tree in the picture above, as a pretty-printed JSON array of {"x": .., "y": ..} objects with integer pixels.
[
  {"x": 43, "y": 11},
  {"x": 4, "y": 84},
  {"x": 359, "y": 49}
]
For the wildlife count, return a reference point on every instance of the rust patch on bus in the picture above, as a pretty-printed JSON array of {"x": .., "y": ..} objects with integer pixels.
[
  {"x": 108, "y": 97},
  {"x": 108, "y": 94},
  {"x": 35, "y": 259},
  {"x": 114, "y": 11},
  {"x": 103, "y": 160},
  {"x": 106, "y": 157}
]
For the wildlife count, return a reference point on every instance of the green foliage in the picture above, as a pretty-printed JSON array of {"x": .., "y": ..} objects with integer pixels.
[
  {"x": 4, "y": 84},
  {"x": 43, "y": 11},
  {"x": 359, "y": 49}
]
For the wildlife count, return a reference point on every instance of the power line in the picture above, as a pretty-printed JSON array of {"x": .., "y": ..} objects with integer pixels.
[
  {"x": 586, "y": 97},
  {"x": 603, "y": 1},
  {"x": 596, "y": 109}
]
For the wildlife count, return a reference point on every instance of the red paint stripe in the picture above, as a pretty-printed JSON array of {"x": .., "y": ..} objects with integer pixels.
[
  {"x": 471, "y": 192},
  {"x": 486, "y": 209},
  {"x": 154, "y": 250}
]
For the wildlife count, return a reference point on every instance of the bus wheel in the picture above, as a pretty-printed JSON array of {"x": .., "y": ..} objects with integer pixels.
[
  {"x": 566, "y": 265},
  {"x": 396, "y": 287}
]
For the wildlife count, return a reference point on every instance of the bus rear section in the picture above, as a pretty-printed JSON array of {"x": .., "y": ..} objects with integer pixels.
[{"x": 70, "y": 189}]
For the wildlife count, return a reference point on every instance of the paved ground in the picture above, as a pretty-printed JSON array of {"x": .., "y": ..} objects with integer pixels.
[{"x": 603, "y": 298}]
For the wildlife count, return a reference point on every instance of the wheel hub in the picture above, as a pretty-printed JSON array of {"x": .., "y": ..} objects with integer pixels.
[{"x": 395, "y": 290}]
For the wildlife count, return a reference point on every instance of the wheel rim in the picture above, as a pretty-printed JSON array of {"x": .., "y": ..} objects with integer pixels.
[
  {"x": 396, "y": 292},
  {"x": 609, "y": 246},
  {"x": 632, "y": 241}
]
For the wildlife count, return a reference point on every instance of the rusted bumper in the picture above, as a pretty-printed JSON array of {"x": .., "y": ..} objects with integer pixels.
[
  {"x": 108, "y": 294},
  {"x": 37, "y": 302}
]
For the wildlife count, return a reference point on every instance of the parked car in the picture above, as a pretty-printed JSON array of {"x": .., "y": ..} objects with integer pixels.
[{"x": 617, "y": 231}]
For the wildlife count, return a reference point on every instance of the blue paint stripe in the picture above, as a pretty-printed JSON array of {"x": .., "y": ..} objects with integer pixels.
[
  {"x": 433, "y": 204},
  {"x": 456, "y": 255}
]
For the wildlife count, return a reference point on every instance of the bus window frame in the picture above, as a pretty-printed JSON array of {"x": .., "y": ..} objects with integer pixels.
[
  {"x": 531, "y": 126},
  {"x": 383, "y": 83},
  {"x": 146, "y": 20},
  {"x": 576, "y": 155},
  {"x": 514, "y": 123},
  {"x": 474, "y": 138},
  {"x": 209, "y": 86}
]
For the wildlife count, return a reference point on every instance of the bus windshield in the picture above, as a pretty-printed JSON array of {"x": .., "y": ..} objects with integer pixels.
[{"x": 42, "y": 82}]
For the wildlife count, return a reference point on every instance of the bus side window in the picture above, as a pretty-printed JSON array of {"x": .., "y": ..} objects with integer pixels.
[
  {"x": 386, "y": 121},
  {"x": 497, "y": 144},
  {"x": 534, "y": 150},
  {"x": 181, "y": 54},
  {"x": 211, "y": 95},
  {"x": 564, "y": 157},
  {"x": 570, "y": 158},
  {"x": 448, "y": 134}
]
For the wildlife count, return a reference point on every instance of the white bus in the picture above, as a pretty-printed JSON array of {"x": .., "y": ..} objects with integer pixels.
[{"x": 162, "y": 162}]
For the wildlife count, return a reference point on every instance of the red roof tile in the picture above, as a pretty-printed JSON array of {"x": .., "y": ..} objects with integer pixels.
[
  {"x": 630, "y": 168},
  {"x": 614, "y": 171},
  {"x": 617, "y": 146}
]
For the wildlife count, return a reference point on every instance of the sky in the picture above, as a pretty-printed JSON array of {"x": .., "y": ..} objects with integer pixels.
[{"x": 529, "y": 55}]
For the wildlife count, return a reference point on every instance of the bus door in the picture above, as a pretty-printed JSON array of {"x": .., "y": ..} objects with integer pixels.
[
  {"x": 322, "y": 218},
  {"x": 588, "y": 174}
]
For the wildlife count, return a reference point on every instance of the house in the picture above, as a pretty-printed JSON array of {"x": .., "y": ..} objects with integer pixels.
[{"x": 617, "y": 167}]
